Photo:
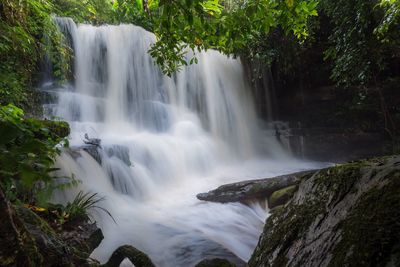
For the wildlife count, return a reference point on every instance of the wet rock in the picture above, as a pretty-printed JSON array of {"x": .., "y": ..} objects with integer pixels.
[
  {"x": 27, "y": 239},
  {"x": 252, "y": 189},
  {"x": 92, "y": 141},
  {"x": 215, "y": 263},
  {"x": 83, "y": 236},
  {"x": 120, "y": 152},
  {"x": 94, "y": 238},
  {"x": 281, "y": 196},
  {"x": 18, "y": 248},
  {"x": 345, "y": 215},
  {"x": 93, "y": 151},
  {"x": 137, "y": 257},
  {"x": 58, "y": 129},
  {"x": 65, "y": 247}
]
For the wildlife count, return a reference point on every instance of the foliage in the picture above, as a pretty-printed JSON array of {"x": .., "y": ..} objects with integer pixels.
[
  {"x": 75, "y": 211},
  {"x": 27, "y": 153},
  {"x": 387, "y": 29},
  {"x": 82, "y": 203},
  {"x": 201, "y": 25},
  {"x": 29, "y": 37},
  {"x": 91, "y": 11},
  {"x": 354, "y": 48},
  {"x": 179, "y": 26},
  {"x": 359, "y": 41},
  {"x": 27, "y": 34},
  {"x": 126, "y": 12}
]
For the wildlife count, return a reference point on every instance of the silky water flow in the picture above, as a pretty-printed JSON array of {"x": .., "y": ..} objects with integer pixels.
[{"x": 163, "y": 140}]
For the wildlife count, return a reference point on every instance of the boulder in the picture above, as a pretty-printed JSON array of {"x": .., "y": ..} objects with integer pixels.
[
  {"x": 97, "y": 152},
  {"x": 281, "y": 196},
  {"x": 18, "y": 247},
  {"x": 253, "y": 189},
  {"x": 62, "y": 247},
  {"x": 137, "y": 257},
  {"x": 27, "y": 239},
  {"x": 347, "y": 215}
]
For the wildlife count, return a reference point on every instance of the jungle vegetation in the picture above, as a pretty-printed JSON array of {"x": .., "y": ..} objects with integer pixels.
[{"x": 357, "y": 39}]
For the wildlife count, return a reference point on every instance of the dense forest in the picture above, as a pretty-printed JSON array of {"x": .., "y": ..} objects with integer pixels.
[{"x": 324, "y": 76}]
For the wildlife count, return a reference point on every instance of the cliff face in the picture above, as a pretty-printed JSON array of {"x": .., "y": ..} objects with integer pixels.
[{"x": 347, "y": 215}]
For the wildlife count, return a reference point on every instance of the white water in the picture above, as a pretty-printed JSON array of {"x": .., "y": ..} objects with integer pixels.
[{"x": 184, "y": 135}]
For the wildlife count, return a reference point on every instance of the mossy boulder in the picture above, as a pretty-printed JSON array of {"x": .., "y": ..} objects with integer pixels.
[
  {"x": 253, "y": 189},
  {"x": 137, "y": 257},
  {"x": 345, "y": 215},
  {"x": 27, "y": 239},
  {"x": 58, "y": 129},
  {"x": 18, "y": 247},
  {"x": 66, "y": 247},
  {"x": 281, "y": 196}
]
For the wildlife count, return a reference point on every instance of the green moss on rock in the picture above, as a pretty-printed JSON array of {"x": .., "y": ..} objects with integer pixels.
[
  {"x": 281, "y": 196},
  {"x": 371, "y": 232},
  {"x": 54, "y": 250},
  {"x": 137, "y": 257},
  {"x": 345, "y": 215},
  {"x": 58, "y": 129}
]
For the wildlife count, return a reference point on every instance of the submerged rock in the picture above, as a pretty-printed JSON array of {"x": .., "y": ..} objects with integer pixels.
[
  {"x": 97, "y": 152},
  {"x": 137, "y": 257},
  {"x": 93, "y": 151},
  {"x": 252, "y": 189},
  {"x": 346, "y": 215},
  {"x": 215, "y": 263},
  {"x": 120, "y": 152},
  {"x": 92, "y": 141}
]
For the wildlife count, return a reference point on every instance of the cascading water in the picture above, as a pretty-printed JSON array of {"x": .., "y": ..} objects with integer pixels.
[{"x": 163, "y": 140}]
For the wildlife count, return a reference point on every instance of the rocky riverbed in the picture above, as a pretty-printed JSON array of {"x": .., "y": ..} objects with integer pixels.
[
  {"x": 32, "y": 236},
  {"x": 346, "y": 215}
]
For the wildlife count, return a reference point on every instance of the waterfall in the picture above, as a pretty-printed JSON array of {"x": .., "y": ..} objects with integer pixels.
[{"x": 163, "y": 140}]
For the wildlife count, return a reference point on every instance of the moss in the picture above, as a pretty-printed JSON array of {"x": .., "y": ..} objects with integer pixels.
[
  {"x": 290, "y": 223},
  {"x": 368, "y": 228},
  {"x": 58, "y": 129},
  {"x": 137, "y": 257},
  {"x": 30, "y": 218},
  {"x": 276, "y": 209},
  {"x": 307, "y": 176},
  {"x": 340, "y": 179},
  {"x": 281, "y": 196},
  {"x": 52, "y": 248},
  {"x": 255, "y": 189},
  {"x": 18, "y": 248},
  {"x": 293, "y": 221},
  {"x": 371, "y": 233}
]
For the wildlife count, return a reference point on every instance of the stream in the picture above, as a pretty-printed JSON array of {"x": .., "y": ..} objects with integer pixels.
[{"x": 163, "y": 140}]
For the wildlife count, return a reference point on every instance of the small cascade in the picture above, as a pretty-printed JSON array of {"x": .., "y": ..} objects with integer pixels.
[{"x": 160, "y": 142}]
